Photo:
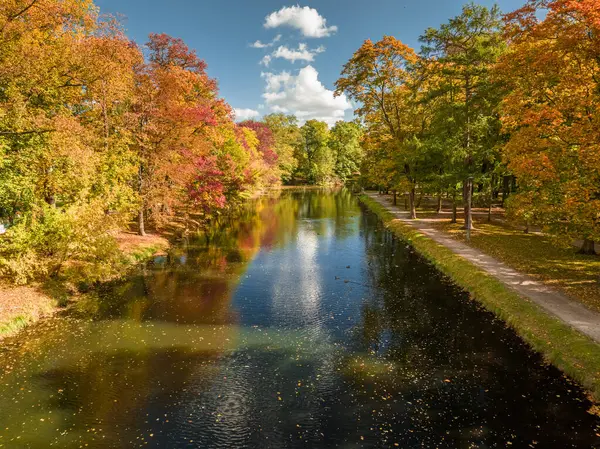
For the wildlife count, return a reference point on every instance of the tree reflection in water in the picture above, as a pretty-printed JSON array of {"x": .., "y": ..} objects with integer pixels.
[{"x": 300, "y": 322}]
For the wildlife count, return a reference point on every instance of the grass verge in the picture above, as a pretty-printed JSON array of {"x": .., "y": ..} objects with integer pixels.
[
  {"x": 538, "y": 256},
  {"x": 14, "y": 325},
  {"x": 570, "y": 351}
]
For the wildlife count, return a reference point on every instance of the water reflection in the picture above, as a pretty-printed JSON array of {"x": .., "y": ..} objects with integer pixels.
[{"x": 299, "y": 323}]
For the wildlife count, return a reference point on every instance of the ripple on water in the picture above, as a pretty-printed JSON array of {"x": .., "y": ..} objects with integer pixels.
[{"x": 303, "y": 323}]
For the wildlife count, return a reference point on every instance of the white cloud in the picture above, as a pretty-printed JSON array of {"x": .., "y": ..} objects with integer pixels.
[
  {"x": 259, "y": 44},
  {"x": 305, "y": 19},
  {"x": 266, "y": 60},
  {"x": 245, "y": 114},
  {"x": 304, "y": 96},
  {"x": 303, "y": 53}
]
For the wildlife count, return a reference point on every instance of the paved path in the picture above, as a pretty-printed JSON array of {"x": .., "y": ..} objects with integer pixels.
[{"x": 559, "y": 305}]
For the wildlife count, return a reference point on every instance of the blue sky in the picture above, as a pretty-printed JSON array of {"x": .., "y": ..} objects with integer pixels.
[{"x": 323, "y": 33}]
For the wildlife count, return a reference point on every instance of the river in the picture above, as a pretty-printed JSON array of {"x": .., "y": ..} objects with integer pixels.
[{"x": 300, "y": 323}]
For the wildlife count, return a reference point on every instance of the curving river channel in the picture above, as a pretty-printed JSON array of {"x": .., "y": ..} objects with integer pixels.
[{"x": 301, "y": 323}]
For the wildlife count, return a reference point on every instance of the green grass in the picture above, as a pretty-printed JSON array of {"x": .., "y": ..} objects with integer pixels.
[
  {"x": 572, "y": 352},
  {"x": 14, "y": 325},
  {"x": 538, "y": 256},
  {"x": 142, "y": 254}
]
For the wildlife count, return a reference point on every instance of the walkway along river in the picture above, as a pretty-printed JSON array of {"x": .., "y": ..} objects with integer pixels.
[{"x": 301, "y": 323}]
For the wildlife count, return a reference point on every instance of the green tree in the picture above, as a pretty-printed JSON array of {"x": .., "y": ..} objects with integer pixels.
[
  {"x": 463, "y": 52},
  {"x": 316, "y": 160},
  {"x": 345, "y": 143}
]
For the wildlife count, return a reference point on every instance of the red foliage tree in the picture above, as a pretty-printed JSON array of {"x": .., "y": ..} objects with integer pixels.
[{"x": 266, "y": 140}]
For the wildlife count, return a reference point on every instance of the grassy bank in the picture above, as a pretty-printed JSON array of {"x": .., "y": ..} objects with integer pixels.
[
  {"x": 536, "y": 255},
  {"x": 570, "y": 351},
  {"x": 21, "y": 306},
  {"x": 549, "y": 260}
]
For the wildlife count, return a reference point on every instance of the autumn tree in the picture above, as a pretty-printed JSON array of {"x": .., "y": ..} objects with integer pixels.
[
  {"x": 176, "y": 103},
  {"x": 553, "y": 116},
  {"x": 266, "y": 149},
  {"x": 287, "y": 139},
  {"x": 377, "y": 78},
  {"x": 65, "y": 171}
]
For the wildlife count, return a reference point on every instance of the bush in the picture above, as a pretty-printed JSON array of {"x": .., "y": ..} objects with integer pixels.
[{"x": 75, "y": 242}]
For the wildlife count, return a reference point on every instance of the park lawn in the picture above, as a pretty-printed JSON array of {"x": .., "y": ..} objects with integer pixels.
[{"x": 535, "y": 254}]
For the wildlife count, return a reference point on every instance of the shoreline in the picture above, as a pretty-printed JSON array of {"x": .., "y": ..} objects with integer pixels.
[
  {"x": 571, "y": 351},
  {"x": 22, "y": 306}
]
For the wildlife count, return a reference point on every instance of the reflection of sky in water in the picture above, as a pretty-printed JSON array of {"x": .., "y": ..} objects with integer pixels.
[
  {"x": 311, "y": 281},
  {"x": 331, "y": 334},
  {"x": 308, "y": 294},
  {"x": 297, "y": 293}
]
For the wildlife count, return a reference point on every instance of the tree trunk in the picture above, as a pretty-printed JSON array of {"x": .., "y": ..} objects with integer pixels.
[
  {"x": 395, "y": 197},
  {"x": 419, "y": 201},
  {"x": 105, "y": 117},
  {"x": 492, "y": 185},
  {"x": 48, "y": 191},
  {"x": 454, "y": 212},
  {"x": 411, "y": 198},
  {"x": 505, "y": 188},
  {"x": 141, "y": 226},
  {"x": 468, "y": 199},
  {"x": 588, "y": 247},
  {"x": 50, "y": 200},
  {"x": 439, "y": 203}
]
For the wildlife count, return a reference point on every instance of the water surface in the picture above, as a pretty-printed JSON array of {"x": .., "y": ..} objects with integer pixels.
[{"x": 300, "y": 323}]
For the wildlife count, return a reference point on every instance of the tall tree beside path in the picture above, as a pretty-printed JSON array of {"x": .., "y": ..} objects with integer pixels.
[
  {"x": 377, "y": 78},
  {"x": 553, "y": 116},
  {"x": 464, "y": 50}
]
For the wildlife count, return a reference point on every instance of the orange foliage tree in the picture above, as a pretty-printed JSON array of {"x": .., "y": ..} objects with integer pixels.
[
  {"x": 377, "y": 77},
  {"x": 553, "y": 116}
]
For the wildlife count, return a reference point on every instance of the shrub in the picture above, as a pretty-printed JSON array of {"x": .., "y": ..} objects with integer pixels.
[{"x": 76, "y": 242}]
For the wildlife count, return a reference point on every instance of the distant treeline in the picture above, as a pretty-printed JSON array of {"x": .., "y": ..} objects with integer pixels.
[{"x": 95, "y": 131}]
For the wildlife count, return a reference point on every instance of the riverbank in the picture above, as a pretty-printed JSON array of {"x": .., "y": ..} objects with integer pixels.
[
  {"x": 561, "y": 344},
  {"x": 21, "y": 306}
]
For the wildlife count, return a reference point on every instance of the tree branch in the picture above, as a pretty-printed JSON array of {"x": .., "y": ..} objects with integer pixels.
[{"x": 22, "y": 133}]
